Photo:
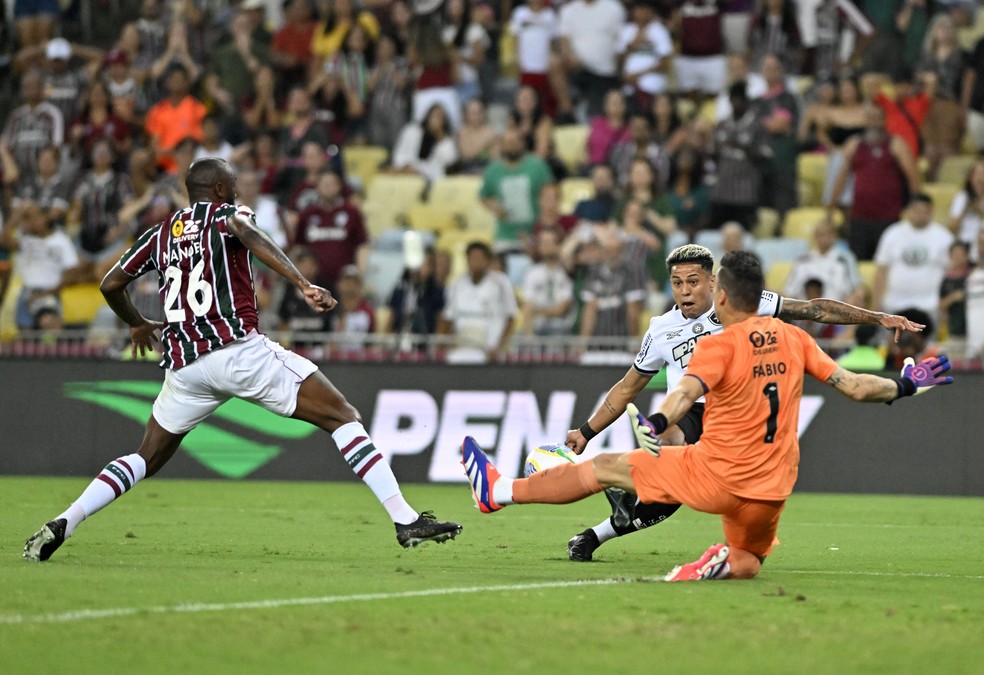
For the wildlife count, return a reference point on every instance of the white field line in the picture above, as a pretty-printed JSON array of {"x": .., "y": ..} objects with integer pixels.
[{"x": 196, "y": 608}]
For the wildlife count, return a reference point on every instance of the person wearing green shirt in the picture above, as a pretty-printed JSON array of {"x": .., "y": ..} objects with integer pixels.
[
  {"x": 510, "y": 187},
  {"x": 864, "y": 356}
]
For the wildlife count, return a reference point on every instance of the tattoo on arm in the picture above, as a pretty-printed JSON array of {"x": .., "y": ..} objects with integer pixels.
[
  {"x": 610, "y": 407},
  {"x": 824, "y": 310}
]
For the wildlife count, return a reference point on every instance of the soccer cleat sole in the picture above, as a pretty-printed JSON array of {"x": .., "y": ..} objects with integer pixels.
[
  {"x": 414, "y": 542},
  {"x": 44, "y": 542}
]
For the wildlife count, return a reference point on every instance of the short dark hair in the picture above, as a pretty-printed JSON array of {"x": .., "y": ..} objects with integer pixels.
[
  {"x": 921, "y": 197},
  {"x": 920, "y": 316},
  {"x": 691, "y": 254},
  {"x": 865, "y": 335},
  {"x": 738, "y": 89},
  {"x": 742, "y": 278},
  {"x": 479, "y": 246}
]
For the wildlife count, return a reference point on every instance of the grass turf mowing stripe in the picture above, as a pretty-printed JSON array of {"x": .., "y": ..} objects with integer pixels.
[{"x": 195, "y": 608}]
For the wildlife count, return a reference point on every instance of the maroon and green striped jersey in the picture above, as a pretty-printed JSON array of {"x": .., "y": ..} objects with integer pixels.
[{"x": 206, "y": 280}]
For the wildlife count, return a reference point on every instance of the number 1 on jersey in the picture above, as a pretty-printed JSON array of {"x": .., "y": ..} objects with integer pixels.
[
  {"x": 196, "y": 287},
  {"x": 771, "y": 392}
]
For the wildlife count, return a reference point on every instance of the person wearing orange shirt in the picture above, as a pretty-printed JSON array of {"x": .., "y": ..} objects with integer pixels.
[
  {"x": 177, "y": 117},
  {"x": 745, "y": 464}
]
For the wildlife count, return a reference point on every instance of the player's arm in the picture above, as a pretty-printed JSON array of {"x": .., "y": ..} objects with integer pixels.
[
  {"x": 143, "y": 331},
  {"x": 825, "y": 310},
  {"x": 915, "y": 379},
  {"x": 263, "y": 247},
  {"x": 678, "y": 402},
  {"x": 620, "y": 395}
]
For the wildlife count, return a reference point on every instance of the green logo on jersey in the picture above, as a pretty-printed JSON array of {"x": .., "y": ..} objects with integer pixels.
[{"x": 222, "y": 451}]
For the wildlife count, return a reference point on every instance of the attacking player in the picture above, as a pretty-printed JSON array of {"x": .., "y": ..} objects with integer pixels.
[
  {"x": 670, "y": 340},
  {"x": 213, "y": 352},
  {"x": 746, "y": 462}
]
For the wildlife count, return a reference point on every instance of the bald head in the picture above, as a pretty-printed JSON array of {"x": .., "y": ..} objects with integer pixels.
[{"x": 211, "y": 179}]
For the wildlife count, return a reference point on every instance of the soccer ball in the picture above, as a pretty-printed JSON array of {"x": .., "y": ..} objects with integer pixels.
[{"x": 545, "y": 457}]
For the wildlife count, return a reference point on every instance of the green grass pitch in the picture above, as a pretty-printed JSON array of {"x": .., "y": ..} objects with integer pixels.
[{"x": 252, "y": 577}]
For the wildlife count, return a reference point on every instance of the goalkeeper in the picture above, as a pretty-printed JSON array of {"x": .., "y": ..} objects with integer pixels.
[{"x": 670, "y": 342}]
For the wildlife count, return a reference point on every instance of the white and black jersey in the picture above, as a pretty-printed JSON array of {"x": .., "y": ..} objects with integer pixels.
[{"x": 672, "y": 337}]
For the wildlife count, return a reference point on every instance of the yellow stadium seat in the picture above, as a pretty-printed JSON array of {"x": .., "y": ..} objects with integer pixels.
[
  {"x": 570, "y": 143},
  {"x": 431, "y": 217},
  {"x": 954, "y": 169},
  {"x": 508, "y": 66},
  {"x": 812, "y": 169},
  {"x": 708, "y": 111},
  {"x": 800, "y": 222},
  {"x": 397, "y": 191},
  {"x": 867, "y": 270},
  {"x": 8, "y": 310},
  {"x": 942, "y": 194},
  {"x": 458, "y": 191},
  {"x": 80, "y": 304},
  {"x": 767, "y": 223},
  {"x": 363, "y": 162},
  {"x": 573, "y": 190},
  {"x": 775, "y": 278},
  {"x": 480, "y": 220},
  {"x": 382, "y": 216}
]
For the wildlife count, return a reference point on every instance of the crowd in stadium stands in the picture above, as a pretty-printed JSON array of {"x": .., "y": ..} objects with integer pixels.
[{"x": 547, "y": 155}]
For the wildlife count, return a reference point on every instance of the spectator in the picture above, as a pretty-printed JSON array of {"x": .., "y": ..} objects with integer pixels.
[
  {"x": 835, "y": 268},
  {"x": 480, "y": 309},
  {"x": 735, "y": 24},
  {"x": 475, "y": 140},
  {"x": 644, "y": 48},
  {"x": 550, "y": 215},
  {"x": 608, "y": 129},
  {"x": 779, "y": 113},
  {"x": 643, "y": 189},
  {"x": 588, "y": 44},
  {"x": 884, "y": 171},
  {"x": 46, "y": 261},
  {"x": 354, "y": 317},
  {"x": 917, "y": 346},
  {"x": 638, "y": 145},
  {"x": 822, "y": 23},
  {"x": 296, "y": 185},
  {"x": 953, "y": 298},
  {"x": 30, "y": 127},
  {"x": 152, "y": 35},
  {"x": 334, "y": 230},
  {"x": 35, "y": 21},
  {"x": 912, "y": 259},
  {"x": 700, "y": 66},
  {"x": 668, "y": 129},
  {"x": 741, "y": 148},
  {"x": 865, "y": 355},
  {"x": 738, "y": 71},
  {"x": 637, "y": 224},
  {"x": 290, "y": 50},
  {"x": 268, "y": 216},
  {"x": 63, "y": 83},
  {"x": 389, "y": 97},
  {"x": 536, "y": 25},
  {"x": 336, "y": 19},
  {"x": 300, "y": 126},
  {"x": 688, "y": 196},
  {"x": 294, "y": 312},
  {"x": 600, "y": 207},
  {"x": 50, "y": 189},
  {"x": 975, "y": 112},
  {"x": 433, "y": 61},
  {"x": 774, "y": 31},
  {"x": 945, "y": 123},
  {"x": 97, "y": 120},
  {"x": 905, "y": 112},
  {"x": 96, "y": 205},
  {"x": 176, "y": 54},
  {"x": 470, "y": 42},
  {"x": 235, "y": 64},
  {"x": 824, "y": 96},
  {"x": 263, "y": 109},
  {"x": 614, "y": 290},
  {"x": 838, "y": 124},
  {"x": 967, "y": 209},
  {"x": 975, "y": 305},
  {"x": 426, "y": 149},
  {"x": 353, "y": 64},
  {"x": 174, "y": 119},
  {"x": 128, "y": 97},
  {"x": 548, "y": 292},
  {"x": 528, "y": 118},
  {"x": 510, "y": 187},
  {"x": 338, "y": 102},
  {"x": 212, "y": 143},
  {"x": 418, "y": 299}
]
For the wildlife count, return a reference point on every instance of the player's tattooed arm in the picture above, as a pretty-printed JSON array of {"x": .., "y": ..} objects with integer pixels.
[
  {"x": 825, "y": 310},
  {"x": 863, "y": 387}
]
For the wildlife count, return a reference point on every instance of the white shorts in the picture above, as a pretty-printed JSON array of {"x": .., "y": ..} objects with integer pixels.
[
  {"x": 254, "y": 369},
  {"x": 707, "y": 74}
]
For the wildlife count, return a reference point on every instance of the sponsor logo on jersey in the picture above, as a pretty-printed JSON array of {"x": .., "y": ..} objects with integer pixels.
[
  {"x": 646, "y": 342},
  {"x": 670, "y": 335},
  {"x": 177, "y": 229},
  {"x": 683, "y": 351}
]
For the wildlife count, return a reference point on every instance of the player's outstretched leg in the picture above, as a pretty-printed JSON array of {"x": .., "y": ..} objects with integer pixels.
[
  {"x": 712, "y": 565},
  {"x": 624, "y": 520},
  {"x": 320, "y": 403}
]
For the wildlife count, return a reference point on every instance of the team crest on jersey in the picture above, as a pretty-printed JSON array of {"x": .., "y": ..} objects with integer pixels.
[
  {"x": 698, "y": 328},
  {"x": 713, "y": 318}
]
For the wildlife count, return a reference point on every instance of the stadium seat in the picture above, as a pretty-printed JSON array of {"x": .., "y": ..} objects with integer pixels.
[
  {"x": 772, "y": 251},
  {"x": 363, "y": 162},
  {"x": 767, "y": 223},
  {"x": 775, "y": 278},
  {"x": 573, "y": 190},
  {"x": 570, "y": 142},
  {"x": 800, "y": 222},
  {"x": 867, "y": 269},
  {"x": 396, "y": 191},
  {"x": 812, "y": 170},
  {"x": 942, "y": 194},
  {"x": 382, "y": 216},
  {"x": 432, "y": 217},
  {"x": 508, "y": 66},
  {"x": 708, "y": 111},
  {"x": 457, "y": 191},
  {"x": 953, "y": 170},
  {"x": 80, "y": 303}
]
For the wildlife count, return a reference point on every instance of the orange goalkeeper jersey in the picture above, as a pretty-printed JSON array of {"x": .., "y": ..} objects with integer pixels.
[{"x": 752, "y": 373}]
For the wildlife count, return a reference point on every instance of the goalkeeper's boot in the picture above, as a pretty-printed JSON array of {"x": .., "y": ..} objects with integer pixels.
[
  {"x": 45, "y": 541},
  {"x": 712, "y": 565},
  {"x": 623, "y": 507},
  {"x": 482, "y": 475},
  {"x": 582, "y": 546},
  {"x": 426, "y": 528}
]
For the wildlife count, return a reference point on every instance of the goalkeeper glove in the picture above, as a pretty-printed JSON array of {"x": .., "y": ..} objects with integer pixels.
[
  {"x": 918, "y": 378},
  {"x": 646, "y": 434}
]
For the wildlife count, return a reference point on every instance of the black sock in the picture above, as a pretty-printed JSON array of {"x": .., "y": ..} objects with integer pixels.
[{"x": 646, "y": 515}]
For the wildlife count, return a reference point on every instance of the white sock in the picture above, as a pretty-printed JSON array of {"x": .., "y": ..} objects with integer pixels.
[
  {"x": 114, "y": 481},
  {"x": 604, "y": 530},
  {"x": 368, "y": 464},
  {"x": 502, "y": 492}
]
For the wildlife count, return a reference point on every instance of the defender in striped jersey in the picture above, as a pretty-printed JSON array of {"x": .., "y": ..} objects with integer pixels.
[
  {"x": 213, "y": 352},
  {"x": 670, "y": 342}
]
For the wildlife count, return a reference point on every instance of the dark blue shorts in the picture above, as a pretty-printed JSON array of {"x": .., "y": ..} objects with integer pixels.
[{"x": 26, "y": 9}]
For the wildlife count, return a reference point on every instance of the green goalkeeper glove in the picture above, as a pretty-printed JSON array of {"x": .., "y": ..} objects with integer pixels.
[{"x": 646, "y": 435}]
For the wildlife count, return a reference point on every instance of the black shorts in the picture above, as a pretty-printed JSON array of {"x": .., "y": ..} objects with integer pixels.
[{"x": 692, "y": 423}]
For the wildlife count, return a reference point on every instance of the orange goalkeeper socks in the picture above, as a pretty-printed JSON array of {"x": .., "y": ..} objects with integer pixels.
[{"x": 559, "y": 485}]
